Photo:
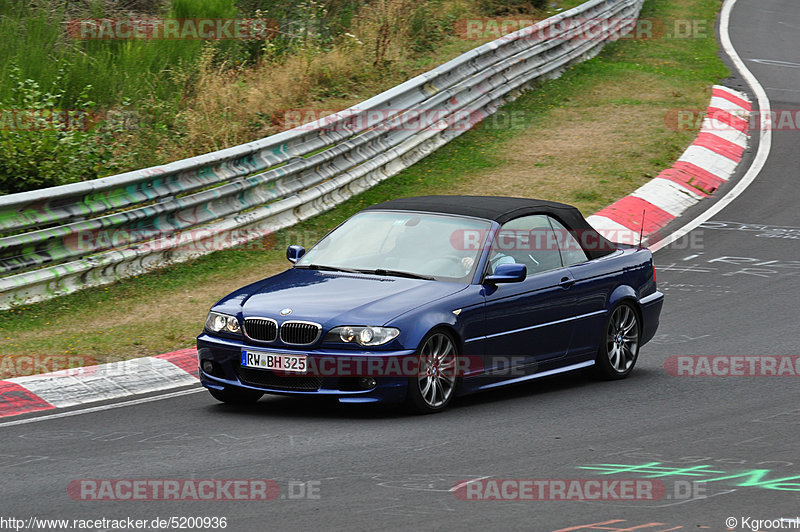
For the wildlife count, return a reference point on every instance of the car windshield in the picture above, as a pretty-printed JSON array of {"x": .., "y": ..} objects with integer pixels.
[{"x": 405, "y": 244}]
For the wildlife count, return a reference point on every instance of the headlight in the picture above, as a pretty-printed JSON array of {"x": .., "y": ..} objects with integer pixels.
[
  {"x": 362, "y": 335},
  {"x": 217, "y": 322}
]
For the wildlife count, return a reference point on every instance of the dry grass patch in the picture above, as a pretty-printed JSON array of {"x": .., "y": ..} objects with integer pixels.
[
  {"x": 555, "y": 161},
  {"x": 226, "y": 106},
  {"x": 589, "y": 152},
  {"x": 638, "y": 87}
]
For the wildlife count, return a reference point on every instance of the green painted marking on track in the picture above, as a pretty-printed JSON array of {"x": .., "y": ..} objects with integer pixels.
[{"x": 701, "y": 473}]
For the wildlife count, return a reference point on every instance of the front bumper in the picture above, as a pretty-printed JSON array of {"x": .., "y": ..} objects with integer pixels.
[{"x": 335, "y": 373}]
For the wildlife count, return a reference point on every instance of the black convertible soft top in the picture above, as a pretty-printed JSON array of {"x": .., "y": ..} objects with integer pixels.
[{"x": 502, "y": 209}]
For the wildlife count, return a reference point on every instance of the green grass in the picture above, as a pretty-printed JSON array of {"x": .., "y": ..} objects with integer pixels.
[
  {"x": 162, "y": 90},
  {"x": 163, "y": 310},
  {"x": 34, "y": 38}
]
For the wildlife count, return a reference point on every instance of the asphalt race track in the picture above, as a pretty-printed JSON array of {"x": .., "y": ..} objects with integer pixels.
[{"x": 732, "y": 290}]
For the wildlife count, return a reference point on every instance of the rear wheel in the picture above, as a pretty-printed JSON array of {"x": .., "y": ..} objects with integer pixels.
[
  {"x": 432, "y": 389},
  {"x": 236, "y": 397},
  {"x": 619, "y": 347}
]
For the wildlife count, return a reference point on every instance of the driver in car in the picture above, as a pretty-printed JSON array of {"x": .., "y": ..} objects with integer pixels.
[{"x": 495, "y": 260}]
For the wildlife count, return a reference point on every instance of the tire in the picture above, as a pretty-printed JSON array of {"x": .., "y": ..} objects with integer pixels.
[
  {"x": 236, "y": 397},
  {"x": 619, "y": 346},
  {"x": 435, "y": 385}
]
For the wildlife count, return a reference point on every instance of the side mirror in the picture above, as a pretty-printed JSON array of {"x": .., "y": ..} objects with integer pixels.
[
  {"x": 508, "y": 273},
  {"x": 293, "y": 253}
]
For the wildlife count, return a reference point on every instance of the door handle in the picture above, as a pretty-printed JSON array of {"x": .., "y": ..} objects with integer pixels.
[{"x": 566, "y": 282}]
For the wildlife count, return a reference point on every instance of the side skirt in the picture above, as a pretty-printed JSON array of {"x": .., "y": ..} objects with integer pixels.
[{"x": 514, "y": 380}]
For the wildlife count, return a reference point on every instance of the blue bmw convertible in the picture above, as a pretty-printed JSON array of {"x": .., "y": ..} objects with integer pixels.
[{"x": 419, "y": 300}]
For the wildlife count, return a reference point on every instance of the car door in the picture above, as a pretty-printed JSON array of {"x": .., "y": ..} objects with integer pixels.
[
  {"x": 592, "y": 287},
  {"x": 528, "y": 322}
]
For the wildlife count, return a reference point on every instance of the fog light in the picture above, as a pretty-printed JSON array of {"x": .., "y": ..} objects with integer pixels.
[
  {"x": 208, "y": 366},
  {"x": 366, "y": 383}
]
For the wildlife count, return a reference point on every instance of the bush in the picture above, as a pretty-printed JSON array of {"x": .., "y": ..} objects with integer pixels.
[
  {"x": 43, "y": 146},
  {"x": 495, "y": 8},
  {"x": 426, "y": 30}
]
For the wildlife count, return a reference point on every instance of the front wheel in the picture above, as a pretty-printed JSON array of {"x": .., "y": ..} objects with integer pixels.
[
  {"x": 236, "y": 397},
  {"x": 435, "y": 383},
  {"x": 619, "y": 347}
]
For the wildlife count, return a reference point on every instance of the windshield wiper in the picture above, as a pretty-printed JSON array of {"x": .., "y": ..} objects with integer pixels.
[
  {"x": 398, "y": 273},
  {"x": 326, "y": 268}
]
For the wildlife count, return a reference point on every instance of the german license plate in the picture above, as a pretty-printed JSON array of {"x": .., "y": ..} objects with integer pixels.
[{"x": 274, "y": 361}]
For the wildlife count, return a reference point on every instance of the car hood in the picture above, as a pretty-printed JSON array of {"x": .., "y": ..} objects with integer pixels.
[{"x": 333, "y": 298}]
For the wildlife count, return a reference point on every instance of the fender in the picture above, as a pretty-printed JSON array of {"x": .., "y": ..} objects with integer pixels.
[{"x": 622, "y": 292}]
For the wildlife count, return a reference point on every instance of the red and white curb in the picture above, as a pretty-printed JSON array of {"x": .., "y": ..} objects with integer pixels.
[
  {"x": 705, "y": 165},
  {"x": 90, "y": 384}
]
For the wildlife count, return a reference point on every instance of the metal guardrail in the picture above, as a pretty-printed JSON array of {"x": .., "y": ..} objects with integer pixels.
[{"x": 57, "y": 240}]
